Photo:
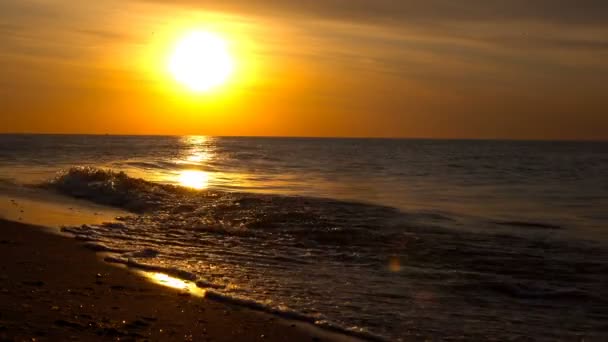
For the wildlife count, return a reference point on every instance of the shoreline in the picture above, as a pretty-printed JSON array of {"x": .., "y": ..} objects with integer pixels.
[
  {"x": 53, "y": 288},
  {"x": 33, "y": 206}
]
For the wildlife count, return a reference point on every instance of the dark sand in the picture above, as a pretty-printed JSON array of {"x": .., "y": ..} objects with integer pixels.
[{"x": 53, "y": 289}]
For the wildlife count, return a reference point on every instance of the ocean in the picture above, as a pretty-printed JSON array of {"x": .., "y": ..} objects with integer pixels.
[{"x": 389, "y": 239}]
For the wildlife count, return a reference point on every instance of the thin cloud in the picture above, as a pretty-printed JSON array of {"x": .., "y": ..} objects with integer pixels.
[{"x": 582, "y": 12}]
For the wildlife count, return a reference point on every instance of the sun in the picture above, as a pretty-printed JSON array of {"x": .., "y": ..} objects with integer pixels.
[{"x": 201, "y": 61}]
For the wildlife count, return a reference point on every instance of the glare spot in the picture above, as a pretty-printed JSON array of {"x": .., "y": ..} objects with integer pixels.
[
  {"x": 193, "y": 179},
  {"x": 394, "y": 264},
  {"x": 174, "y": 283},
  {"x": 168, "y": 281},
  {"x": 201, "y": 61}
]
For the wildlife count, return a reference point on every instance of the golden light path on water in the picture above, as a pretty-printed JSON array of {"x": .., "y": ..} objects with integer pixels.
[
  {"x": 196, "y": 155},
  {"x": 197, "y": 169}
]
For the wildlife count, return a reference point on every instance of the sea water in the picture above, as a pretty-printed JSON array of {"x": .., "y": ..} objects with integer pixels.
[{"x": 382, "y": 238}]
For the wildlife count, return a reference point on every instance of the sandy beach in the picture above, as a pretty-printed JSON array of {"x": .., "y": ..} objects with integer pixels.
[{"x": 54, "y": 289}]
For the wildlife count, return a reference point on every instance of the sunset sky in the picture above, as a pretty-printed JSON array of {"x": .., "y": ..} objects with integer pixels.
[{"x": 523, "y": 69}]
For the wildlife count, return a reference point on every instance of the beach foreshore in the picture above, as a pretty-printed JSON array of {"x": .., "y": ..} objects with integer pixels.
[{"x": 54, "y": 289}]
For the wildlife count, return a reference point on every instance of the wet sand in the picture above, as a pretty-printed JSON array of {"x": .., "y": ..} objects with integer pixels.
[
  {"x": 31, "y": 206},
  {"x": 53, "y": 289}
]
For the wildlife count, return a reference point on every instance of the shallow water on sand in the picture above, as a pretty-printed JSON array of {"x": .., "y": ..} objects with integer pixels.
[
  {"x": 393, "y": 238},
  {"x": 48, "y": 209}
]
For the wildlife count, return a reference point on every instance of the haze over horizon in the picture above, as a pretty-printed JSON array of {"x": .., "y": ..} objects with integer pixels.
[{"x": 475, "y": 69}]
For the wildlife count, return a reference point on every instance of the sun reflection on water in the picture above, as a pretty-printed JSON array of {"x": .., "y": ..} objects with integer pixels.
[
  {"x": 197, "y": 153},
  {"x": 193, "y": 179},
  {"x": 198, "y": 149},
  {"x": 198, "y": 163},
  {"x": 197, "y": 157}
]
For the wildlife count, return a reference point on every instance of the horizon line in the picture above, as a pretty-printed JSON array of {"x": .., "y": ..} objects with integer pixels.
[{"x": 315, "y": 137}]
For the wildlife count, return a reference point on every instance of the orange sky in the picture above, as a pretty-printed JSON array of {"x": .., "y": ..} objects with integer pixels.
[{"x": 479, "y": 69}]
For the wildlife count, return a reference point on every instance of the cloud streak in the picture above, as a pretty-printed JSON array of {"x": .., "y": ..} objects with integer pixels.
[{"x": 582, "y": 12}]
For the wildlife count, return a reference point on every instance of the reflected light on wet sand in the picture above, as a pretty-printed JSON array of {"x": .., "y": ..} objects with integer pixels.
[
  {"x": 174, "y": 283},
  {"x": 193, "y": 179}
]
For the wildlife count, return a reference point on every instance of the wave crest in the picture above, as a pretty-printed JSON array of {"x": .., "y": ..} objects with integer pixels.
[{"x": 113, "y": 188}]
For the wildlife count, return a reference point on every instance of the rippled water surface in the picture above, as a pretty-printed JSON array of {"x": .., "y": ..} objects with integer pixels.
[{"x": 394, "y": 238}]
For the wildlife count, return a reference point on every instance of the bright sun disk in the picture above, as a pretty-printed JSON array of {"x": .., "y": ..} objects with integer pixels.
[{"x": 201, "y": 61}]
